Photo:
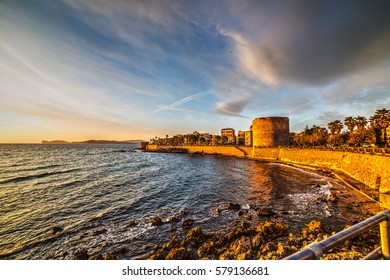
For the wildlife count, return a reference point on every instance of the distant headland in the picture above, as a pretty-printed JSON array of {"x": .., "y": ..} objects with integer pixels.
[{"x": 93, "y": 142}]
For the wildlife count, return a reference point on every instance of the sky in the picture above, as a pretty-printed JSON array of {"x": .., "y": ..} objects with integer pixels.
[{"x": 78, "y": 70}]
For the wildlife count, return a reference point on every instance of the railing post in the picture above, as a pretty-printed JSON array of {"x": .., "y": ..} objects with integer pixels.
[{"x": 385, "y": 236}]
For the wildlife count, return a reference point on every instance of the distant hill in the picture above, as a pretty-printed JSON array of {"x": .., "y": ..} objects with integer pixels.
[{"x": 93, "y": 142}]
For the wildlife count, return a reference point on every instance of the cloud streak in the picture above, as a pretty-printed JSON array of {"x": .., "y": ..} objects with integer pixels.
[{"x": 175, "y": 105}]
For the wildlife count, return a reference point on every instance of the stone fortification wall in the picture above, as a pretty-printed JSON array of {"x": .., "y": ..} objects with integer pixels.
[
  {"x": 151, "y": 147},
  {"x": 271, "y": 132},
  {"x": 247, "y": 150},
  {"x": 372, "y": 170},
  {"x": 209, "y": 150}
]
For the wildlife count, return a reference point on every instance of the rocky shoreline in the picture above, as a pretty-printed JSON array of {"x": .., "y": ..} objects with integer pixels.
[{"x": 270, "y": 240}]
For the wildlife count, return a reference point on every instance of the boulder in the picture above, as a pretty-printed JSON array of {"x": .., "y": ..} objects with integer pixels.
[
  {"x": 132, "y": 224},
  {"x": 248, "y": 217},
  {"x": 81, "y": 254},
  {"x": 333, "y": 197},
  {"x": 173, "y": 219},
  {"x": 271, "y": 229},
  {"x": 57, "y": 229},
  {"x": 195, "y": 237},
  {"x": 101, "y": 231},
  {"x": 265, "y": 212},
  {"x": 233, "y": 206},
  {"x": 178, "y": 254},
  {"x": 314, "y": 227},
  {"x": 187, "y": 223},
  {"x": 242, "y": 212},
  {"x": 155, "y": 221},
  {"x": 174, "y": 242}
]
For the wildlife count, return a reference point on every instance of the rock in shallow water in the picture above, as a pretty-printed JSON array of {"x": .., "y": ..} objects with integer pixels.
[
  {"x": 155, "y": 221},
  {"x": 57, "y": 229},
  {"x": 188, "y": 223},
  {"x": 265, "y": 212}
]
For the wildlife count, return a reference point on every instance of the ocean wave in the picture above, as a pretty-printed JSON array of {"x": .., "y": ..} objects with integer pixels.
[{"x": 37, "y": 176}]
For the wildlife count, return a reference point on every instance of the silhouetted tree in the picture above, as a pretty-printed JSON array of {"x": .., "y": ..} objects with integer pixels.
[
  {"x": 381, "y": 119},
  {"x": 350, "y": 123}
]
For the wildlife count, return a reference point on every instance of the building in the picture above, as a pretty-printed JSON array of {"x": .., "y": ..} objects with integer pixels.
[
  {"x": 248, "y": 138},
  {"x": 240, "y": 138},
  {"x": 229, "y": 134},
  {"x": 271, "y": 132}
]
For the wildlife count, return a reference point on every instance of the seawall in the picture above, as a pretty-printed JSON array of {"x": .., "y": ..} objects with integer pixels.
[
  {"x": 372, "y": 170},
  {"x": 208, "y": 150}
]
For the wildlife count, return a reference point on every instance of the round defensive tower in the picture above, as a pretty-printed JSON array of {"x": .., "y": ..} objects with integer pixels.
[{"x": 271, "y": 132}]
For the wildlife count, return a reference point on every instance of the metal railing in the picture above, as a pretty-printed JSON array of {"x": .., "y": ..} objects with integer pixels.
[{"x": 316, "y": 250}]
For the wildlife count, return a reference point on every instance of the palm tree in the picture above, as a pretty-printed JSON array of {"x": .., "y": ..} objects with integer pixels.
[
  {"x": 361, "y": 123},
  {"x": 381, "y": 119},
  {"x": 332, "y": 127},
  {"x": 335, "y": 127},
  {"x": 350, "y": 123}
]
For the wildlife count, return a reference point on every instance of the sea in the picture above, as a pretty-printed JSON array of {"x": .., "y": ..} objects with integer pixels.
[{"x": 56, "y": 200}]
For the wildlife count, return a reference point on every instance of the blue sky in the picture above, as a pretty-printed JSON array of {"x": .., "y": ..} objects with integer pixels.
[{"x": 78, "y": 70}]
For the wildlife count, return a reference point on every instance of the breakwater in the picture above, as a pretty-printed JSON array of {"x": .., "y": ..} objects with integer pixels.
[{"x": 370, "y": 169}]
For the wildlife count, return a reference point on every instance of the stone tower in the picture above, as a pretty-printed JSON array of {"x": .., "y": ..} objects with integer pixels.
[{"x": 271, "y": 132}]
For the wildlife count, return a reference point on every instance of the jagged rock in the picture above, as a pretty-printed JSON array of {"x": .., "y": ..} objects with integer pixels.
[
  {"x": 248, "y": 217},
  {"x": 206, "y": 249},
  {"x": 257, "y": 240},
  {"x": 115, "y": 254},
  {"x": 233, "y": 206},
  {"x": 132, "y": 224},
  {"x": 244, "y": 224},
  {"x": 157, "y": 256},
  {"x": 155, "y": 221},
  {"x": 281, "y": 250},
  {"x": 265, "y": 212},
  {"x": 148, "y": 246},
  {"x": 174, "y": 242},
  {"x": 242, "y": 212},
  {"x": 81, "y": 254},
  {"x": 227, "y": 255},
  {"x": 178, "y": 254},
  {"x": 195, "y": 237},
  {"x": 245, "y": 256},
  {"x": 321, "y": 199},
  {"x": 314, "y": 227},
  {"x": 271, "y": 229},
  {"x": 184, "y": 212},
  {"x": 333, "y": 197},
  {"x": 188, "y": 223},
  {"x": 269, "y": 247},
  {"x": 97, "y": 257},
  {"x": 57, "y": 229},
  {"x": 173, "y": 219},
  {"x": 101, "y": 231},
  {"x": 242, "y": 245}
]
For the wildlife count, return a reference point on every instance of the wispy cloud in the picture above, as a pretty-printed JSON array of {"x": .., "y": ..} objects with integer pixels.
[
  {"x": 175, "y": 105},
  {"x": 233, "y": 107}
]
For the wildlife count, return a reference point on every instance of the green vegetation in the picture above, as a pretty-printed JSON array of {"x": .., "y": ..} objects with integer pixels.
[{"x": 360, "y": 132}]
